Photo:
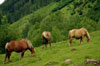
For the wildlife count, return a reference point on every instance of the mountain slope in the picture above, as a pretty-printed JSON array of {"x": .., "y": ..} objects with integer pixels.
[
  {"x": 15, "y": 9},
  {"x": 58, "y": 18},
  {"x": 59, "y": 52}
]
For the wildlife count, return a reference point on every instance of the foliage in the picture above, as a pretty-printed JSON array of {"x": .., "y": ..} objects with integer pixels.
[
  {"x": 21, "y": 8},
  {"x": 57, "y": 35},
  {"x": 94, "y": 12},
  {"x": 4, "y": 20},
  {"x": 0, "y": 16},
  {"x": 6, "y": 35},
  {"x": 88, "y": 23},
  {"x": 98, "y": 25}
]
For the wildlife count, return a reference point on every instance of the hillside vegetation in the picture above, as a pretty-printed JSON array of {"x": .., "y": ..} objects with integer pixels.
[
  {"x": 58, "y": 17},
  {"x": 15, "y": 9},
  {"x": 59, "y": 52}
]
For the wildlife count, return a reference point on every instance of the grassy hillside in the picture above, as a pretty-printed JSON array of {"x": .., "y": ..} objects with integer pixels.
[
  {"x": 56, "y": 55},
  {"x": 58, "y": 18}
]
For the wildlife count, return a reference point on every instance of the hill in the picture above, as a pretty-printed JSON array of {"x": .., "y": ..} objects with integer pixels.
[
  {"x": 90, "y": 8},
  {"x": 59, "y": 52},
  {"x": 20, "y": 8},
  {"x": 58, "y": 17}
]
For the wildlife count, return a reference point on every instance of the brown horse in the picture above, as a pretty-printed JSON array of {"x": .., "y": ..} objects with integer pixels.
[
  {"x": 46, "y": 38},
  {"x": 18, "y": 46},
  {"x": 78, "y": 34}
]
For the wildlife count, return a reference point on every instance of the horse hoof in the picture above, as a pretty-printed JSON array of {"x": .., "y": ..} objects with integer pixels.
[{"x": 9, "y": 61}]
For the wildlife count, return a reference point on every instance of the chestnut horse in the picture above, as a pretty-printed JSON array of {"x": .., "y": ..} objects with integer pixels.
[
  {"x": 78, "y": 34},
  {"x": 46, "y": 38},
  {"x": 18, "y": 46}
]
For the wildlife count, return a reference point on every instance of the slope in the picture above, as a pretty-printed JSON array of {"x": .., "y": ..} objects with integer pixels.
[
  {"x": 58, "y": 18},
  {"x": 59, "y": 52}
]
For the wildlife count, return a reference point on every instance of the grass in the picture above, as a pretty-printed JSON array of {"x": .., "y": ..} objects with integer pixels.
[{"x": 58, "y": 53}]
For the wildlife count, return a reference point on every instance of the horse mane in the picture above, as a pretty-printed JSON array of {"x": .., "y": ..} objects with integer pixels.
[
  {"x": 29, "y": 44},
  {"x": 88, "y": 36}
]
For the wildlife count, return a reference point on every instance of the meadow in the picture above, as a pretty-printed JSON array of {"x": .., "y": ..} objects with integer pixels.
[{"x": 59, "y": 52}]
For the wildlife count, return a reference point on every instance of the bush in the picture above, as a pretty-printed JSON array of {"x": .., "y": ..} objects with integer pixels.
[
  {"x": 57, "y": 35},
  {"x": 98, "y": 25}
]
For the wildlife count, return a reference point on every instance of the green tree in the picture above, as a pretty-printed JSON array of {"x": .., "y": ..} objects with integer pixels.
[
  {"x": 98, "y": 25},
  {"x": 57, "y": 35},
  {"x": 4, "y": 20},
  {"x": 88, "y": 23},
  {"x": 0, "y": 16}
]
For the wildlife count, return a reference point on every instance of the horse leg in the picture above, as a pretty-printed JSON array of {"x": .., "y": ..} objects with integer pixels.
[
  {"x": 42, "y": 42},
  {"x": 81, "y": 39},
  {"x": 22, "y": 54},
  {"x": 6, "y": 57},
  {"x": 70, "y": 42},
  {"x": 50, "y": 43},
  {"x": 9, "y": 54}
]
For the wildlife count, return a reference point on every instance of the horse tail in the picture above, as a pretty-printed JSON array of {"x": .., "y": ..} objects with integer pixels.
[
  {"x": 69, "y": 34},
  {"x": 6, "y": 47},
  {"x": 29, "y": 44}
]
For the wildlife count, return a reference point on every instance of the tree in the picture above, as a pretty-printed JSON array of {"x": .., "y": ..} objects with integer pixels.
[
  {"x": 57, "y": 35},
  {"x": 4, "y": 20},
  {"x": 88, "y": 23},
  {"x": 0, "y": 16},
  {"x": 98, "y": 25}
]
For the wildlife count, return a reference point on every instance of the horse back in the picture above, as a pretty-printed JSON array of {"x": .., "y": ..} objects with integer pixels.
[
  {"x": 22, "y": 44},
  {"x": 77, "y": 33},
  {"x": 17, "y": 46}
]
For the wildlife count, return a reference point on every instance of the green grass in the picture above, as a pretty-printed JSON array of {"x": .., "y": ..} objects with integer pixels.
[{"x": 58, "y": 53}]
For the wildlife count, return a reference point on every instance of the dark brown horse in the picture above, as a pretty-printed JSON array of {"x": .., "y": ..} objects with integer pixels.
[
  {"x": 46, "y": 38},
  {"x": 78, "y": 34},
  {"x": 18, "y": 46}
]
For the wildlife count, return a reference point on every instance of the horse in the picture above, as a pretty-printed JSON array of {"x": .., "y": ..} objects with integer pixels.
[
  {"x": 18, "y": 46},
  {"x": 46, "y": 38},
  {"x": 78, "y": 34}
]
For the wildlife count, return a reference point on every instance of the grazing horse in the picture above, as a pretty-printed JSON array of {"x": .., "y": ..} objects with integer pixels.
[
  {"x": 78, "y": 34},
  {"x": 46, "y": 38},
  {"x": 18, "y": 46}
]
